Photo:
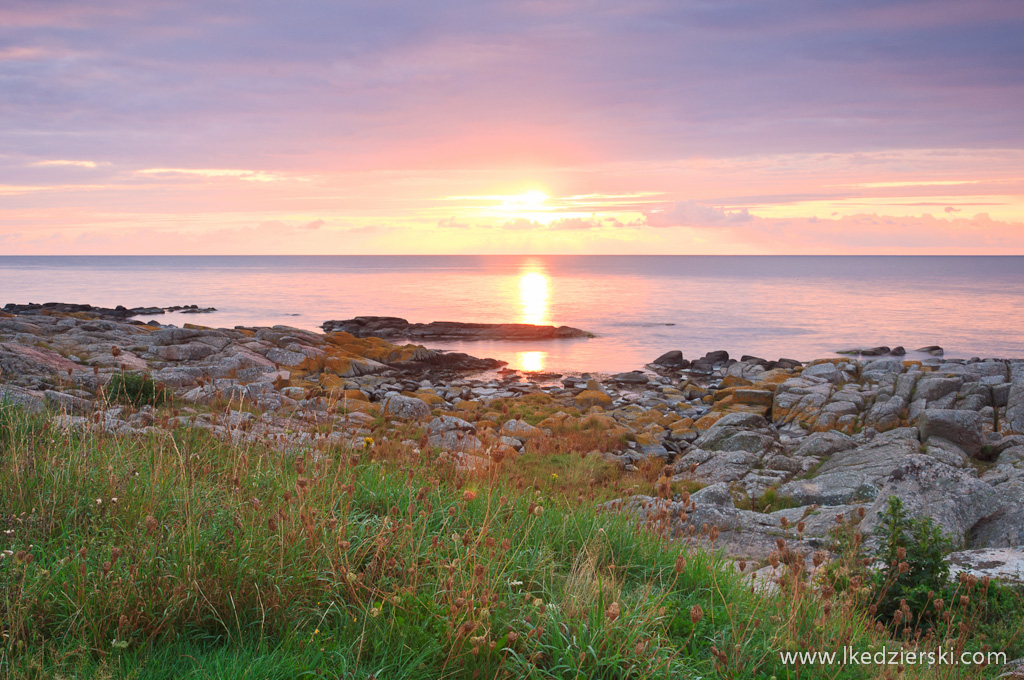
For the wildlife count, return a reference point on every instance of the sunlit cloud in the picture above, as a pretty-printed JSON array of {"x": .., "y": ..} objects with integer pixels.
[
  {"x": 245, "y": 175},
  {"x": 79, "y": 164}
]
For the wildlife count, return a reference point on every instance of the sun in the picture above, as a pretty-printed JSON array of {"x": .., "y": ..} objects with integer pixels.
[{"x": 525, "y": 202}]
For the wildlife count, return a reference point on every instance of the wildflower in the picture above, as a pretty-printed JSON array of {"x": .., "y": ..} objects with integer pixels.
[
  {"x": 374, "y": 611},
  {"x": 696, "y": 614},
  {"x": 515, "y": 583},
  {"x": 316, "y": 631},
  {"x": 113, "y": 500},
  {"x": 554, "y": 477},
  {"x": 99, "y": 501},
  {"x": 468, "y": 496},
  {"x": 538, "y": 511},
  {"x": 367, "y": 442},
  {"x": 613, "y": 612}
]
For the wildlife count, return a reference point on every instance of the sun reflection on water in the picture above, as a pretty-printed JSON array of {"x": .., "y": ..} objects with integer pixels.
[
  {"x": 533, "y": 297},
  {"x": 531, "y": 361}
]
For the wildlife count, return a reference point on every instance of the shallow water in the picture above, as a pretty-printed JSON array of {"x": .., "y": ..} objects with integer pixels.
[{"x": 638, "y": 306}]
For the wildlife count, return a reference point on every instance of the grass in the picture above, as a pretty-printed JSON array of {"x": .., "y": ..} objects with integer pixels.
[{"x": 178, "y": 556}]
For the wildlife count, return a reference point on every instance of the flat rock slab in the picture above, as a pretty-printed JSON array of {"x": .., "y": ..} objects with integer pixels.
[
  {"x": 395, "y": 327},
  {"x": 1004, "y": 564}
]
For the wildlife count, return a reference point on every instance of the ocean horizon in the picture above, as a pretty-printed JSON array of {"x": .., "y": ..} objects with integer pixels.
[{"x": 637, "y": 306}]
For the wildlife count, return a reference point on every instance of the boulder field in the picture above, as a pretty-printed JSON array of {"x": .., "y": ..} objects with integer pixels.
[{"x": 761, "y": 447}]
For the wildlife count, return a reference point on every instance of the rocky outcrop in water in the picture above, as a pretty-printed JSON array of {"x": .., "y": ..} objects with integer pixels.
[{"x": 394, "y": 327}]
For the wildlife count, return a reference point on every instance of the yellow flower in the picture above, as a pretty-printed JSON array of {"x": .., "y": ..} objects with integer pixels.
[
  {"x": 554, "y": 476},
  {"x": 368, "y": 442}
]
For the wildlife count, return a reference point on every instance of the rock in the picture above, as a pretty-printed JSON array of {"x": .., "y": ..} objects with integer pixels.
[
  {"x": 855, "y": 474},
  {"x": 449, "y": 424},
  {"x": 739, "y": 432},
  {"x": 955, "y": 500},
  {"x": 405, "y": 408},
  {"x": 825, "y": 371},
  {"x": 934, "y": 350},
  {"x": 589, "y": 398},
  {"x": 29, "y": 400},
  {"x": 18, "y": 360},
  {"x": 885, "y": 415},
  {"x": 1004, "y": 564},
  {"x": 898, "y": 351},
  {"x": 1003, "y": 529},
  {"x": 456, "y": 440},
  {"x": 932, "y": 388},
  {"x": 824, "y": 444},
  {"x": 67, "y": 403},
  {"x": 714, "y": 466},
  {"x": 394, "y": 327},
  {"x": 191, "y": 351},
  {"x": 1011, "y": 456},
  {"x": 962, "y": 428},
  {"x": 633, "y": 377},
  {"x": 519, "y": 429},
  {"x": 671, "y": 359},
  {"x": 718, "y": 356},
  {"x": 1015, "y": 399}
]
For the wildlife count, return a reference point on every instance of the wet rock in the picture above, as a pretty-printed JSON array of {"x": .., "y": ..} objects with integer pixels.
[
  {"x": 933, "y": 350},
  {"x": 671, "y": 359}
]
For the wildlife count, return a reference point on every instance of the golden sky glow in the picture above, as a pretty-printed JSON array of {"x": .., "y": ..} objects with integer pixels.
[{"x": 583, "y": 126}]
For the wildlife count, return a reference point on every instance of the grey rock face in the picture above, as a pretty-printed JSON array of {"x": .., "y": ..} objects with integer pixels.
[
  {"x": 715, "y": 466},
  {"x": 955, "y": 500},
  {"x": 856, "y": 474},
  {"x": 406, "y": 408},
  {"x": 825, "y": 444},
  {"x": 962, "y": 428},
  {"x": 826, "y": 371},
  {"x": 191, "y": 351},
  {"x": 931, "y": 388},
  {"x": 1015, "y": 398},
  {"x": 739, "y": 432},
  {"x": 885, "y": 415}
]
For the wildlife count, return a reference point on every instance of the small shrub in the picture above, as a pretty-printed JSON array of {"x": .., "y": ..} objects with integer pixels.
[
  {"x": 914, "y": 570},
  {"x": 135, "y": 389}
]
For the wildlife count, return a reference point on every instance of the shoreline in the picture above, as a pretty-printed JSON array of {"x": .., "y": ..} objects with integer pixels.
[{"x": 755, "y": 441}]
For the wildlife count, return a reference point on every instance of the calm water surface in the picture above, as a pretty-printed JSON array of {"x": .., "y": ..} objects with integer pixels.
[{"x": 639, "y": 306}]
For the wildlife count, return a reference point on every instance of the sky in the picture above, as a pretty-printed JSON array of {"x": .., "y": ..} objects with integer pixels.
[{"x": 520, "y": 126}]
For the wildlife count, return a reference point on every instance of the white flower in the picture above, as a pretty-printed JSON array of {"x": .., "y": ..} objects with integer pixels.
[{"x": 515, "y": 583}]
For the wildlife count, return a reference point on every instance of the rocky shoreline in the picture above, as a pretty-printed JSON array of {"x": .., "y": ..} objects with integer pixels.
[
  {"x": 825, "y": 438},
  {"x": 392, "y": 327}
]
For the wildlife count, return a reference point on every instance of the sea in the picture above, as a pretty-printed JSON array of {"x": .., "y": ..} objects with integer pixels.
[{"x": 637, "y": 307}]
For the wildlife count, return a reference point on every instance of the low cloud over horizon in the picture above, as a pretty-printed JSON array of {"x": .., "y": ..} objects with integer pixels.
[{"x": 570, "y": 126}]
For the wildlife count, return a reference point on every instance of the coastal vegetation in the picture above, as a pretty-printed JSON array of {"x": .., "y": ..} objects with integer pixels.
[{"x": 183, "y": 555}]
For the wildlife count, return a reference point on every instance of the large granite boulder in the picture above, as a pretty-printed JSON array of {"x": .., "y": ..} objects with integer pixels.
[
  {"x": 951, "y": 497},
  {"x": 962, "y": 428}
]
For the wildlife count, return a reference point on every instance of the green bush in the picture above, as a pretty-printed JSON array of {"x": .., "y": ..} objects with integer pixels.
[
  {"x": 914, "y": 569},
  {"x": 135, "y": 389}
]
